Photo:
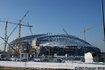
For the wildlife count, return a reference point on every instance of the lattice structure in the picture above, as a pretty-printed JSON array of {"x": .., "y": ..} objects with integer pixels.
[{"x": 59, "y": 44}]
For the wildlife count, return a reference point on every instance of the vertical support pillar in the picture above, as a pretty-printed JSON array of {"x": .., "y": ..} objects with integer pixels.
[{"x": 103, "y": 22}]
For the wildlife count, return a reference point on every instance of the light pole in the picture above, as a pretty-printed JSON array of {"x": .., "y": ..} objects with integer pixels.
[{"x": 103, "y": 22}]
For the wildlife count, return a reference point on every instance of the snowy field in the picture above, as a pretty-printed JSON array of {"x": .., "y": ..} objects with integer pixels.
[{"x": 66, "y": 65}]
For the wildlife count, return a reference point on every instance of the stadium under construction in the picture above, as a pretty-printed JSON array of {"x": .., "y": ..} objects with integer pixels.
[{"x": 52, "y": 45}]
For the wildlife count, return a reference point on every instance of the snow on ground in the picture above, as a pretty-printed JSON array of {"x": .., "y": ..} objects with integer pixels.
[{"x": 66, "y": 65}]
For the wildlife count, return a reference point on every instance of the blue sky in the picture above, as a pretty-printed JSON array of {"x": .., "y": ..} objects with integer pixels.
[{"x": 51, "y": 16}]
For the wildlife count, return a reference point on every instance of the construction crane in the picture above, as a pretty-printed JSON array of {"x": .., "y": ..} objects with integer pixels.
[
  {"x": 65, "y": 31},
  {"x": 18, "y": 24},
  {"x": 30, "y": 29},
  {"x": 10, "y": 46},
  {"x": 20, "y": 21},
  {"x": 84, "y": 31}
]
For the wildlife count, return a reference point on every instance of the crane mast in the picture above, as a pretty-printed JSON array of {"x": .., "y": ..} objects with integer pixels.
[
  {"x": 6, "y": 39},
  {"x": 84, "y": 31},
  {"x": 18, "y": 24},
  {"x": 20, "y": 21},
  {"x": 65, "y": 31}
]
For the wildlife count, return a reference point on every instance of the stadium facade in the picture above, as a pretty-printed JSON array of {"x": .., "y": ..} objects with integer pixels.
[{"x": 53, "y": 45}]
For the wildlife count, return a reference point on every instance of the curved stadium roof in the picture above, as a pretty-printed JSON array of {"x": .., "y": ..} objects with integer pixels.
[{"x": 59, "y": 40}]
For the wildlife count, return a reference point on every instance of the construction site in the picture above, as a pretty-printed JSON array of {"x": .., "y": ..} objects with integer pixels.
[{"x": 48, "y": 51}]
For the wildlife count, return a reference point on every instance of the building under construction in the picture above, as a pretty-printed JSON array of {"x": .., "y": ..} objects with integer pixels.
[{"x": 52, "y": 45}]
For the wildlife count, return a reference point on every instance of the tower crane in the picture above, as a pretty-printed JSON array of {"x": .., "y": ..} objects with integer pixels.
[
  {"x": 20, "y": 21},
  {"x": 10, "y": 46},
  {"x": 84, "y": 31},
  {"x": 18, "y": 24},
  {"x": 65, "y": 31},
  {"x": 30, "y": 29}
]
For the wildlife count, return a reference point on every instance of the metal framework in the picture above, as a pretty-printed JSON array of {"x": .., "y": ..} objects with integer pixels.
[
  {"x": 56, "y": 40},
  {"x": 60, "y": 44}
]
